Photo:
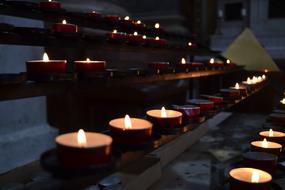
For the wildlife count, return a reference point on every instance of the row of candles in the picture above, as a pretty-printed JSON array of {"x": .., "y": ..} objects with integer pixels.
[
  {"x": 115, "y": 34},
  {"x": 94, "y": 148},
  {"x": 47, "y": 66},
  {"x": 262, "y": 159}
]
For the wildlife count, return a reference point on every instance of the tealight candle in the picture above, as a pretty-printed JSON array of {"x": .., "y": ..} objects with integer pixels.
[
  {"x": 116, "y": 36},
  {"x": 130, "y": 130},
  {"x": 83, "y": 149},
  {"x": 241, "y": 89},
  {"x": 188, "y": 111},
  {"x": 89, "y": 66},
  {"x": 266, "y": 146},
  {"x": 135, "y": 37},
  {"x": 156, "y": 25},
  {"x": 277, "y": 118},
  {"x": 205, "y": 105},
  {"x": 184, "y": 65},
  {"x": 212, "y": 61},
  {"x": 249, "y": 179},
  {"x": 260, "y": 160},
  {"x": 64, "y": 27},
  {"x": 50, "y": 4},
  {"x": 38, "y": 68},
  {"x": 231, "y": 93},
  {"x": 158, "y": 66},
  {"x": 164, "y": 118},
  {"x": 215, "y": 99},
  {"x": 273, "y": 136}
]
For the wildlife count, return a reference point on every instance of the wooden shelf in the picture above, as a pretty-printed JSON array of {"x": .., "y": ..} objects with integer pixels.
[{"x": 32, "y": 89}]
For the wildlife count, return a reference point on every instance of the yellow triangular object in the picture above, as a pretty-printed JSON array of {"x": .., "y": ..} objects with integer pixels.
[{"x": 247, "y": 50}]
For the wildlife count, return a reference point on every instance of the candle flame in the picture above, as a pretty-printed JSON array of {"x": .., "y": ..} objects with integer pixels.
[
  {"x": 45, "y": 57},
  {"x": 183, "y": 61},
  {"x": 163, "y": 112},
  {"x": 248, "y": 81},
  {"x": 156, "y": 38},
  {"x": 255, "y": 176},
  {"x": 265, "y": 70},
  {"x": 189, "y": 43},
  {"x": 212, "y": 60},
  {"x": 135, "y": 33},
  {"x": 259, "y": 79},
  {"x": 87, "y": 59},
  {"x": 270, "y": 132},
  {"x": 237, "y": 86},
  {"x": 127, "y": 18},
  {"x": 144, "y": 36},
  {"x": 81, "y": 138},
  {"x": 49, "y": 0},
  {"x": 254, "y": 79},
  {"x": 264, "y": 143},
  {"x": 115, "y": 31},
  {"x": 156, "y": 25},
  {"x": 283, "y": 101},
  {"x": 64, "y": 22},
  {"x": 128, "y": 122},
  {"x": 139, "y": 22},
  {"x": 228, "y": 61},
  {"x": 263, "y": 77}
]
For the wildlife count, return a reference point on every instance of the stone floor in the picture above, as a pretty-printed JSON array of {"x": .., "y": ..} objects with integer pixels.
[{"x": 206, "y": 164}]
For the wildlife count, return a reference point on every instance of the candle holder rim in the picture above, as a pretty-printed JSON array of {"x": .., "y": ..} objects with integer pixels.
[
  {"x": 247, "y": 168},
  {"x": 253, "y": 143},
  {"x": 168, "y": 116}
]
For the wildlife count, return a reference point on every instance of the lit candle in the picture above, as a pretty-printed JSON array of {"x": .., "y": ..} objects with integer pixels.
[
  {"x": 263, "y": 77},
  {"x": 205, "y": 105},
  {"x": 212, "y": 61},
  {"x": 88, "y": 66},
  {"x": 130, "y": 130},
  {"x": 127, "y": 18},
  {"x": 50, "y": 4},
  {"x": 158, "y": 66},
  {"x": 144, "y": 36},
  {"x": 249, "y": 179},
  {"x": 94, "y": 14},
  {"x": 273, "y": 136},
  {"x": 282, "y": 104},
  {"x": 135, "y": 37},
  {"x": 282, "y": 101},
  {"x": 156, "y": 25},
  {"x": 156, "y": 38},
  {"x": 183, "y": 60},
  {"x": 64, "y": 27},
  {"x": 266, "y": 146},
  {"x": 116, "y": 36},
  {"x": 237, "y": 86},
  {"x": 228, "y": 61},
  {"x": 44, "y": 67},
  {"x": 83, "y": 149},
  {"x": 139, "y": 22},
  {"x": 165, "y": 118},
  {"x": 190, "y": 44},
  {"x": 242, "y": 90}
]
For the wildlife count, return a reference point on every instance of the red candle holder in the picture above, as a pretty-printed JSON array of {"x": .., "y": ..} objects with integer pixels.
[
  {"x": 230, "y": 93},
  {"x": 139, "y": 131},
  {"x": 117, "y": 36},
  {"x": 277, "y": 118},
  {"x": 94, "y": 14},
  {"x": 45, "y": 67},
  {"x": 73, "y": 155},
  {"x": 242, "y": 90},
  {"x": 205, "y": 105},
  {"x": 135, "y": 38},
  {"x": 159, "y": 65},
  {"x": 89, "y": 66},
  {"x": 215, "y": 99},
  {"x": 64, "y": 27},
  {"x": 50, "y": 5},
  {"x": 188, "y": 111}
]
